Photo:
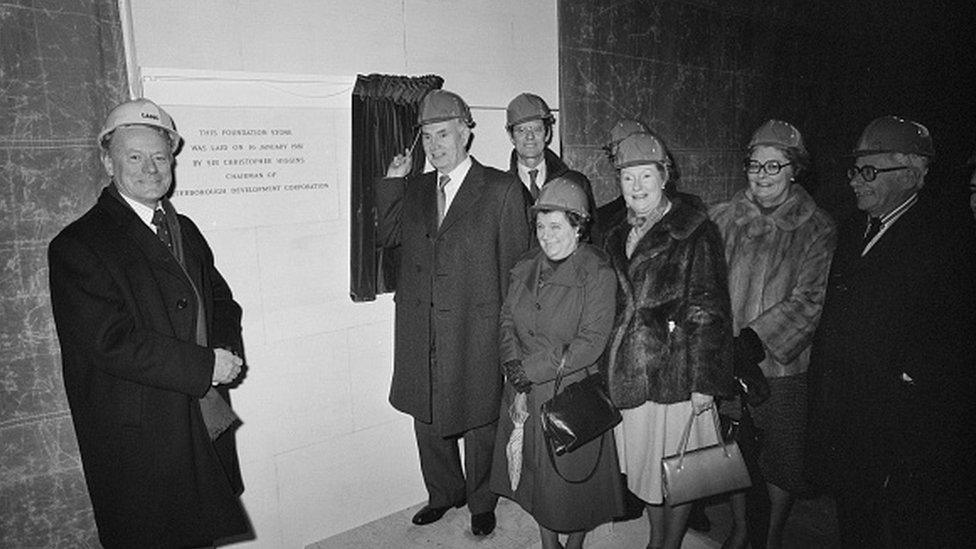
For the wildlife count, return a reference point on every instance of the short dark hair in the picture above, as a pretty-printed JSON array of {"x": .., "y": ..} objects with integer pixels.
[{"x": 576, "y": 221}]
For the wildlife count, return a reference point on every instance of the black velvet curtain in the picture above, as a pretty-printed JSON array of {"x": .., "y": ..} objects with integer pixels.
[{"x": 384, "y": 123}]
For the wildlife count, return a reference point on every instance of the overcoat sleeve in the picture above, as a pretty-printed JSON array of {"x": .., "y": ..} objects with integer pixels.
[
  {"x": 514, "y": 236},
  {"x": 508, "y": 348},
  {"x": 787, "y": 328},
  {"x": 708, "y": 318},
  {"x": 389, "y": 193},
  {"x": 93, "y": 309}
]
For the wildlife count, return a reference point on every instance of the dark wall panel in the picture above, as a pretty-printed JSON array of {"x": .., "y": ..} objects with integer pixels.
[
  {"x": 704, "y": 74},
  {"x": 61, "y": 69}
]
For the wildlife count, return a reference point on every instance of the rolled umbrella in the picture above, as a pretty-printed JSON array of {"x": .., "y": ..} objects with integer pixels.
[{"x": 519, "y": 412}]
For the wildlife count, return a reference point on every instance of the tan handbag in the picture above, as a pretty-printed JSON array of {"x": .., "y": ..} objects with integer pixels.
[{"x": 690, "y": 475}]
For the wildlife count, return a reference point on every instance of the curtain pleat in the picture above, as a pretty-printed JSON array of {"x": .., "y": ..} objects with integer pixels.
[{"x": 384, "y": 114}]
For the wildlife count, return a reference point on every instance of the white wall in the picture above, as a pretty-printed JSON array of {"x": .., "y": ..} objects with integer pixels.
[{"x": 322, "y": 451}]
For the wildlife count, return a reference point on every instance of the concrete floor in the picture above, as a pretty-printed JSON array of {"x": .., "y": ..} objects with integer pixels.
[
  {"x": 812, "y": 525},
  {"x": 515, "y": 530}
]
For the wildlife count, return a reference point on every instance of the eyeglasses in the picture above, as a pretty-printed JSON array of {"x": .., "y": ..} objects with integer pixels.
[
  {"x": 868, "y": 173},
  {"x": 771, "y": 167},
  {"x": 524, "y": 131}
]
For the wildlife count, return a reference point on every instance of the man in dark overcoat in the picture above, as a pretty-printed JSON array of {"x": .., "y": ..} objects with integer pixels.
[
  {"x": 460, "y": 229},
  {"x": 148, "y": 329},
  {"x": 894, "y": 361}
]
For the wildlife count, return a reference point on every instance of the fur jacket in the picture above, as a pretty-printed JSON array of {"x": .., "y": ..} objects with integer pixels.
[
  {"x": 673, "y": 328},
  {"x": 778, "y": 264}
]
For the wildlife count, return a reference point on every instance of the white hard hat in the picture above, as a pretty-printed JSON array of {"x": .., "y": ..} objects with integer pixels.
[{"x": 139, "y": 112}]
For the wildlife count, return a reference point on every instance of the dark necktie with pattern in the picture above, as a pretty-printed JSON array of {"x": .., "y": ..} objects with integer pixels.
[
  {"x": 874, "y": 227},
  {"x": 533, "y": 186},
  {"x": 442, "y": 198},
  {"x": 162, "y": 228}
]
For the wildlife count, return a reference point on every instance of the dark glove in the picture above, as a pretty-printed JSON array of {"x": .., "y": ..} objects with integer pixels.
[
  {"x": 747, "y": 353},
  {"x": 515, "y": 374}
]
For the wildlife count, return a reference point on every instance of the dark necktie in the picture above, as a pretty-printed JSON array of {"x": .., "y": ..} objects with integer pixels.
[
  {"x": 533, "y": 187},
  {"x": 874, "y": 227},
  {"x": 442, "y": 198},
  {"x": 162, "y": 228}
]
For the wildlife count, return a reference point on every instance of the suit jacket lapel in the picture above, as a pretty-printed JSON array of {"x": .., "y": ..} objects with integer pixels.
[
  {"x": 467, "y": 196},
  {"x": 145, "y": 240},
  {"x": 429, "y": 190}
]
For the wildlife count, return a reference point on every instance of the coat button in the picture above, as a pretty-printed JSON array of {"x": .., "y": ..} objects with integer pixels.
[
  {"x": 538, "y": 306},
  {"x": 531, "y": 333},
  {"x": 181, "y": 304}
]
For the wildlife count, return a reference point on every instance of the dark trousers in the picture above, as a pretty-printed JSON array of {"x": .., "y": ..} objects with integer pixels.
[
  {"x": 440, "y": 462},
  {"x": 913, "y": 509}
]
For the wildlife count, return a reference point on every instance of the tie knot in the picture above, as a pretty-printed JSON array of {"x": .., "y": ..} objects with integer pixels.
[
  {"x": 443, "y": 181},
  {"x": 159, "y": 217},
  {"x": 533, "y": 173}
]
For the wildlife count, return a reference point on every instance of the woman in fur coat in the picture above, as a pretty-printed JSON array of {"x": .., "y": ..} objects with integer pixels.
[
  {"x": 778, "y": 245},
  {"x": 670, "y": 351}
]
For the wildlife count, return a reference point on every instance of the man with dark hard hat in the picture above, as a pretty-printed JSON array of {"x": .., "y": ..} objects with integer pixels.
[
  {"x": 529, "y": 122},
  {"x": 892, "y": 370},
  {"x": 460, "y": 229},
  {"x": 150, "y": 338}
]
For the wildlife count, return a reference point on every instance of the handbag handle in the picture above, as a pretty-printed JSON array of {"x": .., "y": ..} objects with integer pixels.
[
  {"x": 561, "y": 369},
  {"x": 683, "y": 445}
]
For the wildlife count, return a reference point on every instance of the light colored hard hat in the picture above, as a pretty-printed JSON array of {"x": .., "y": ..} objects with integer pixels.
[
  {"x": 776, "y": 133},
  {"x": 441, "y": 105},
  {"x": 563, "y": 194},
  {"x": 525, "y": 107},
  {"x": 625, "y": 128},
  {"x": 638, "y": 149},
  {"x": 890, "y": 134},
  {"x": 139, "y": 112}
]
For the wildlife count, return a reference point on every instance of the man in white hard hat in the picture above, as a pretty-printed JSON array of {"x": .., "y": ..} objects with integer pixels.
[
  {"x": 460, "y": 229},
  {"x": 150, "y": 338},
  {"x": 892, "y": 372}
]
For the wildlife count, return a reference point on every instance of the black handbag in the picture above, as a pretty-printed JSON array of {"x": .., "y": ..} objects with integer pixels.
[{"x": 577, "y": 415}]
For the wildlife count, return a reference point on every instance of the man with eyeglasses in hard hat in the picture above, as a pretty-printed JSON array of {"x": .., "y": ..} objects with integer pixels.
[
  {"x": 460, "y": 229},
  {"x": 529, "y": 121},
  {"x": 892, "y": 370},
  {"x": 150, "y": 339}
]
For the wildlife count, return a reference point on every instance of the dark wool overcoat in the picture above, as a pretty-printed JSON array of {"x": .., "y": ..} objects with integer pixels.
[
  {"x": 894, "y": 359},
  {"x": 450, "y": 288},
  {"x": 126, "y": 319},
  {"x": 673, "y": 328},
  {"x": 554, "y": 311}
]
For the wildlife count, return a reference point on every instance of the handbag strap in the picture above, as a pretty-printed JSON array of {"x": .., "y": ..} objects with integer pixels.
[
  {"x": 552, "y": 460},
  {"x": 552, "y": 457},
  {"x": 686, "y": 435}
]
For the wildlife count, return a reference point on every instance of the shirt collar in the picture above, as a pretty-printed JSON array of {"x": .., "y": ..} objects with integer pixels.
[
  {"x": 144, "y": 212},
  {"x": 524, "y": 173},
  {"x": 891, "y": 216},
  {"x": 459, "y": 172}
]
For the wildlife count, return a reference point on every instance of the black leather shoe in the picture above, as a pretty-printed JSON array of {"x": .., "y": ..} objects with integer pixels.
[
  {"x": 429, "y": 514},
  {"x": 483, "y": 524}
]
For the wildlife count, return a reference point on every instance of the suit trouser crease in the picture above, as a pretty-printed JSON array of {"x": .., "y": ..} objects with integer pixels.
[{"x": 440, "y": 460}]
